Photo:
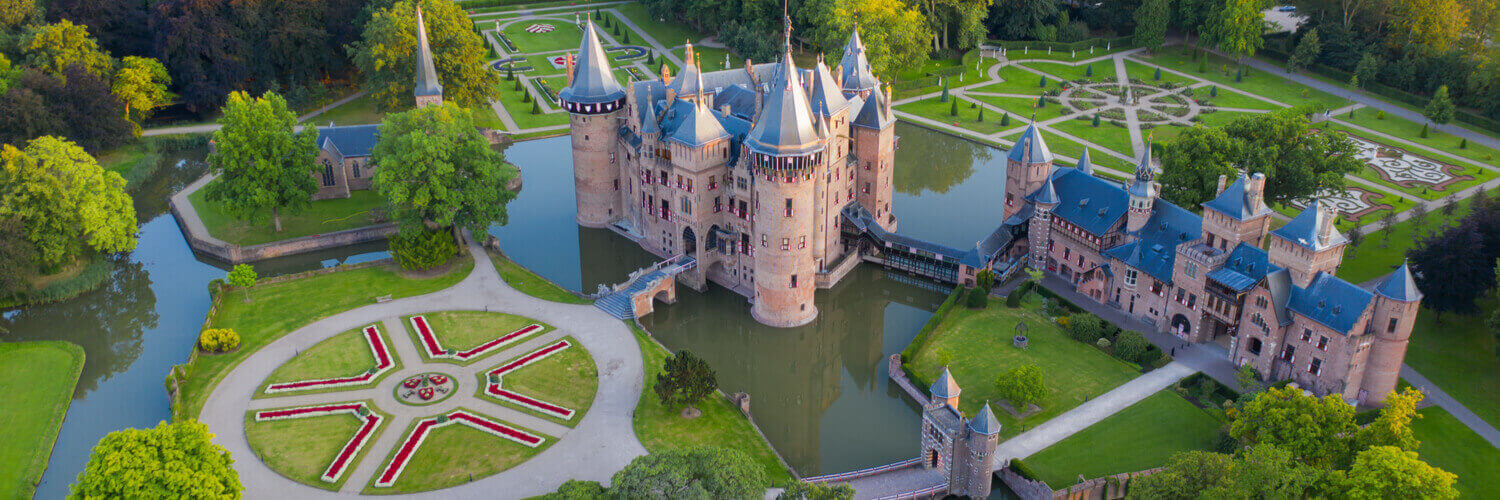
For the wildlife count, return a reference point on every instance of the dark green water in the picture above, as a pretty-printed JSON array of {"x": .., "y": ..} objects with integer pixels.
[{"x": 819, "y": 392}]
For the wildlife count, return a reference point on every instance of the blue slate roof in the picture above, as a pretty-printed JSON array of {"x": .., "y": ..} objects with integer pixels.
[
  {"x": 855, "y": 66},
  {"x": 1303, "y": 229},
  {"x": 696, "y": 126},
  {"x": 1047, "y": 194},
  {"x": 1244, "y": 267},
  {"x": 945, "y": 387},
  {"x": 1399, "y": 285},
  {"x": 593, "y": 82},
  {"x": 985, "y": 250},
  {"x": 1089, "y": 202},
  {"x": 826, "y": 98},
  {"x": 1235, "y": 201},
  {"x": 1085, "y": 164},
  {"x": 741, "y": 101},
  {"x": 863, "y": 220},
  {"x": 872, "y": 114},
  {"x": 1330, "y": 301},
  {"x": 1154, "y": 250},
  {"x": 985, "y": 422},
  {"x": 350, "y": 140},
  {"x": 1030, "y": 147},
  {"x": 784, "y": 126}
]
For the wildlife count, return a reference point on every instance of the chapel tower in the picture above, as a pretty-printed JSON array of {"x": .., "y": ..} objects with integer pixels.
[
  {"x": 595, "y": 102},
  {"x": 1026, "y": 167},
  {"x": 429, "y": 92}
]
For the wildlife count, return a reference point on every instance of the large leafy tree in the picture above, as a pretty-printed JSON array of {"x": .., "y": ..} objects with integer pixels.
[
  {"x": 16, "y": 13},
  {"x": 1151, "y": 23},
  {"x": 1307, "y": 51},
  {"x": 386, "y": 54},
  {"x": 1237, "y": 27},
  {"x": 120, "y": 25},
  {"x": 177, "y": 460},
  {"x": 816, "y": 491},
  {"x": 204, "y": 46},
  {"x": 141, "y": 84},
  {"x": 65, "y": 200},
  {"x": 17, "y": 257},
  {"x": 1390, "y": 472},
  {"x": 1017, "y": 19},
  {"x": 434, "y": 167},
  {"x": 895, "y": 36},
  {"x": 685, "y": 380},
  {"x": 691, "y": 473},
  {"x": 1435, "y": 24},
  {"x": 1453, "y": 268},
  {"x": 1185, "y": 476},
  {"x": 1316, "y": 430},
  {"x": 1267, "y": 471},
  {"x": 1393, "y": 426},
  {"x": 1298, "y": 161},
  {"x": 1192, "y": 162},
  {"x": 263, "y": 163},
  {"x": 1022, "y": 386},
  {"x": 80, "y": 108},
  {"x": 54, "y": 47}
]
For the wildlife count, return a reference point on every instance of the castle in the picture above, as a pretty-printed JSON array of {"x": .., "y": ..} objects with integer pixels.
[
  {"x": 962, "y": 450},
  {"x": 1270, "y": 297},
  {"x": 747, "y": 171}
]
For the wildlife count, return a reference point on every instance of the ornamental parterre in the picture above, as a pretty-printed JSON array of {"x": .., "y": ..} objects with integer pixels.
[
  {"x": 370, "y": 419},
  {"x": 435, "y": 349},
  {"x": 383, "y": 362},
  {"x": 408, "y": 446},
  {"x": 494, "y": 378}
]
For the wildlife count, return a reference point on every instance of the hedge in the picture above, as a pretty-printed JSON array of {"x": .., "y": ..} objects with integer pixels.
[
  {"x": 1122, "y": 41},
  {"x": 920, "y": 340},
  {"x": 1020, "y": 467},
  {"x": 935, "y": 77},
  {"x": 1067, "y": 304}
]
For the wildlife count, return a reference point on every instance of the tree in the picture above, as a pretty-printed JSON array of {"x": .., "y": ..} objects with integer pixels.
[
  {"x": 816, "y": 491},
  {"x": 703, "y": 472},
  {"x": 263, "y": 163},
  {"x": 122, "y": 27},
  {"x": 1307, "y": 51},
  {"x": 953, "y": 109},
  {"x": 1186, "y": 475},
  {"x": 574, "y": 489},
  {"x": 1390, "y": 472},
  {"x": 1316, "y": 431},
  {"x": 1151, "y": 23},
  {"x": 81, "y": 109},
  {"x": 141, "y": 84},
  {"x": 685, "y": 380},
  {"x": 1298, "y": 161},
  {"x": 1237, "y": 27},
  {"x": 436, "y": 168},
  {"x": 1022, "y": 386},
  {"x": 1365, "y": 71},
  {"x": 65, "y": 200},
  {"x": 1131, "y": 346},
  {"x": 1248, "y": 378},
  {"x": 423, "y": 249},
  {"x": 1393, "y": 426},
  {"x": 1019, "y": 19},
  {"x": 8, "y": 74},
  {"x": 1452, "y": 268},
  {"x": 1440, "y": 108},
  {"x": 895, "y": 35},
  {"x": 1433, "y": 24},
  {"x": 1095, "y": 121},
  {"x": 1192, "y": 162},
  {"x": 985, "y": 280},
  {"x": 17, "y": 258},
  {"x": 1267, "y": 471},
  {"x": 16, "y": 13},
  {"x": 243, "y": 276},
  {"x": 177, "y": 460},
  {"x": 54, "y": 47},
  {"x": 386, "y": 54}
]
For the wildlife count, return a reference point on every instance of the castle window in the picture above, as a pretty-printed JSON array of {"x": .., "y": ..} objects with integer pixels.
[
  {"x": 1288, "y": 353},
  {"x": 1306, "y": 335},
  {"x": 786, "y": 243},
  {"x": 617, "y": 184},
  {"x": 802, "y": 242},
  {"x": 1255, "y": 345},
  {"x": 1315, "y": 367},
  {"x": 867, "y": 188},
  {"x": 788, "y": 207},
  {"x": 713, "y": 182},
  {"x": 1392, "y": 326},
  {"x": 1009, "y": 199},
  {"x": 794, "y": 281},
  {"x": 1322, "y": 342},
  {"x": 1260, "y": 302},
  {"x": 611, "y": 158},
  {"x": 1192, "y": 299},
  {"x": 1130, "y": 276},
  {"x": 355, "y": 169},
  {"x": 1067, "y": 252},
  {"x": 762, "y": 239},
  {"x": 327, "y": 174},
  {"x": 1180, "y": 293},
  {"x": 1192, "y": 270},
  {"x": 687, "y": 205}
]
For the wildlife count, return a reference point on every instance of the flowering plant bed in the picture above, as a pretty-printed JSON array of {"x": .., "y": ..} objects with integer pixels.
[
  {"x": 425, "y": 389},
  {"x": 384, "y": 361},
  {"x": 434, "y": 349},
  {"x": 408, "y": 446},
  {"x": 494, "y": 379},
  {"x": 341, "y": 462}
]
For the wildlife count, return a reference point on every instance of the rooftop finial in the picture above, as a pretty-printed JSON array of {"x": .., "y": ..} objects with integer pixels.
[{"x": 786, "y": 28}]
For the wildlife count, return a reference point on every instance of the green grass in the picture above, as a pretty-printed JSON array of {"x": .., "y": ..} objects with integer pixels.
[
  {"x": 302, "y": 448},
  {"x": 456, "y": 454},
  {"x": 1449, "y": 445},
  {"x": 1104, "y": 71},
  {"x": 669, "y": 33},
  {"x": 1346, "y": 223},
  {"x": 971, "y": 76},
  {"x": 529, "y": 283},
  {"x": 343, "y": 355},
  {"x": 1231, "y": 99},
  {"x": 326, "y": 216},
  {"x": 933, "y": 109},
  {"x": 278, "y": 308},
  {"x": 1020, "y": 81},
  {"x": 1061, "y": 145},
  {"x": 484, "y": 116},
  {"x": 463, "y": 330},
  {"x": 356, "y": 112},
  {"x": 1458, "y": 354},
  {"x": 123, "y": 159},
  {"x": 38, "y": 386},
  {"x": 1147, "y": 74},
  {"x": 1140, "y": 437},
  {"x": 1479, "y": 174},
  {"x": 1378, "y": 254},
  {"x": 564, "y": 36},
  {"x": 1412, "y": 132},
  {"x": 1163, "y": 133},
  {"x": 521, "y": 111},
  {"x": 1017, "y": 54},
  {"x": 661, "y": 429},
  {"x": 1107, "y": 134},
  {"x": 1261, "y": 83},
  {"x": 1018, "y": 107},
  {"x": 980, "y": 346},
  {"x": 711, "y": 59},
  {"x": 567, "y": 378}
]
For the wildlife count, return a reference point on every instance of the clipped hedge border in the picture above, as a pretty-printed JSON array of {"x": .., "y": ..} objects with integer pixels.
[{"x": 920, "y": 340}]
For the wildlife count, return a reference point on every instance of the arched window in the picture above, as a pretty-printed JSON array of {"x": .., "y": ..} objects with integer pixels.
[{"x": 327, "y": 174}]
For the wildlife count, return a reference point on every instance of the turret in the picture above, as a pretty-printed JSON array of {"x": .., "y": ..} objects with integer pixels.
[
  {"x": 1237, "y": 214},
  {"x": 594, "y": 101},
  {"x": 874, "y": 132},
  {"x": 1309, "y": 244},
  {"x": 854, "y": 67},
  {"x": 1044, "y": 202},
  {"x": 1085, "y": 165},
  {"x": 983, "y": 438},
  {"x": 428, "y": 91},
  {"x": 1396, "y": 303},
  {"x": 945, "y": 390},
  {"x": 1143, "y": 190},
  {"x": 1026, "y": 167},
  {"x": 688, "y": 84}
]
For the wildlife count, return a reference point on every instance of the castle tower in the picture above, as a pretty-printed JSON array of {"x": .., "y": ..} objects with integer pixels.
[
  {"x": 832, "y": 110},
  {"x": 428, "y": 90},
  {"x": 854, "y": 68},
  {"x": 688, "y": 84},
  {"x": 874, "y": 131},
  {"x": 1396, "y": 303},
  {"x": 1143, "y": 190},
  {"x": 1309, "y": 244},
  {"x": 1026, "y": 167},
  {"x": 983, "y": 437},
  {"x": 1085, "y": 165},
  {"x": 1040, "y": 231},
  {"x": 594, "y": 101},
  {"x": 1238, "y": 214},
  {"x": 945, "y": 390},
  {"x": 785, "y": 152}
]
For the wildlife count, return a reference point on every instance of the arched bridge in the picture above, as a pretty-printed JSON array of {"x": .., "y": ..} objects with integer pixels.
[{"x": 636, "y": 296}]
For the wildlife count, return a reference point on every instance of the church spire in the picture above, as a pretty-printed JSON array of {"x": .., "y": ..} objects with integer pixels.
[{"x": 428, "y": 90}]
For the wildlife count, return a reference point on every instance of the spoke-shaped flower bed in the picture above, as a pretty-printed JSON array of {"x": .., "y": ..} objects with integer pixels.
[
  {"x": 402, "y": 455},
  {"x": 495, "y": 380},
  {"x": 370, "y": 422},
  {"x": 383, "y": 362},
  {"x": 434, "y": 349}
]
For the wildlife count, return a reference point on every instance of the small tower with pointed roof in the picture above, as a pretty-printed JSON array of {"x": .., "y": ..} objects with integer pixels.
[
  {"x": 1237, "y": 214},
  {"x": 1040, "y": 229},
  {"x": 963, "y": 450},
  {"x": 1085, "y": 165},
  {"x": 1395, "y": 312},
  {"x": 429, "y": 92},
  {"x": 594, "y": 101},
  {"x": 854, "y": 68},
  {"x": 1309, "y": 244},
  {"x": 1026, "y": 167},
  {"x": 1143, "y": 190},
  {"x": 873, "y": 128}
]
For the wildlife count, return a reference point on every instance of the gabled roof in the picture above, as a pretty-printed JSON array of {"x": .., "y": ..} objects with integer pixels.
[
  {"x": 1243, "y": 268},
  {"x": 985, "y": 422},
  {"x": 1330, "y": 301},
  {"x": 1154, "y": 250},
  {"x": 1235, "y": 201},
  {"x": 690, "y": 80},
  {"x": 350, "y": 141},
  {"x": 1089, "y": 202},
  {"x": 827, "y": 99},
  {"x": 427, "y": 80},
  {"x": 872, "y": 114},
  {"x": 945, "y": 387},
  {"x": 1085, "y": 165},
  {"x": 1030, "y": 148},
  {"x": 785, "y": 124},
  {"x": 855, "y": 67},
  {"x": 1399, "y": 285},
  {"x": 1303, "y": 229},
  {"x": 593, "y": 82}
]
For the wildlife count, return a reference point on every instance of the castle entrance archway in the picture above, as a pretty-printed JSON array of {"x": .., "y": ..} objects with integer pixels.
[
  {"x": 689, "y": 241},
  {"x": 1181, "y": 326}
]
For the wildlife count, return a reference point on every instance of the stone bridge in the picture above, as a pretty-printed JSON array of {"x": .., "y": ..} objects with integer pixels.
[{"x": 637, "y": 296}]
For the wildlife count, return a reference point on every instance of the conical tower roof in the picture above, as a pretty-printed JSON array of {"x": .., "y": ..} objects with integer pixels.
[
  {"x": 985, "y": 422},
  {"x": 1145, "y": 171},
  {"x": 427, "y": 79},
  {"x": 1047, "y": 194},
  {"x": 945, "y": 387},
  {"x": 1030, "y": 148},
  {"x": 700, "y": 127},
  {"x": 1085, "y": 165},
  {"x": 784, "y": 126},
  {"x": 688, "y": 82},
  {"x": 1307, "y": 227},
  {"x": 827, "y": 99},
  {"x": 593, "y": 82},
  {"x": 1399, "y": 285},
  {"x": 872, "y": 114},
  {"x": 855, "y": 67}
]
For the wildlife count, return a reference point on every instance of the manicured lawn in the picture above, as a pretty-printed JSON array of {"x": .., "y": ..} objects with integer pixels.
[
  {"x": 1137, "y": 438},
  {"x": 1261, "y": 83},
  {"x": 521, "y": 111},
  {"x": 344, "y": 355},
  {"x": 564, "y": 36},
  {"x": 979, "y": 342},
  {"x": 1458, "y": 355},
  {"x": 455, "y": 454},
  {"x": 484, "y": 116},
  {"x": 568, "y": 378},
  {"x": 973, "y": 74},
  {"x": 1449, "y": 445},
  {"x": 529, "y": 283},
  {"x": 1019, "y": 107},
  {"x": 1378, "y": 255},
  {"x": 326, "y": 216},
  {"x": 1104, "y": 71},
  {"x": 710, "y": 59},
  {"x": 302, "y": 448},
  {"x": 463, "y": 330},
  {"x": 1147, "y": 75},
  {"x": 933, "y": 109},
  {"x": 1107, "y": 134},
  {"x": 669, "y": 33},
  {"x": 357, "y": 112},
  {"x": 278, "y": 308},
  {"x": 1231, "y": 99},
  {"x": 1018, "y": 54},
  {"x": 38, "y": 383},
  {"x": 1019, "y": 81},
  {"x": 1063, "y": 146},
  {"x": 1412, "y": 131},
  {"x": 721, "y": 424}
]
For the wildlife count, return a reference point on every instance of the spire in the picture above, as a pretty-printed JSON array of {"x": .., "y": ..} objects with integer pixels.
[
  {"x": 1030, "y": 148},
  {"x": 1145, "y": 169},
  {"x": 1399, "y": 285},
  {"x": 784, "y": 125},
  {"x": 427, "y": 80},
  {"x": 855, "y": 66},
  {"x": 688, "y": 81},
  {"x": 593, "y": 82},
  {"x": 1084, "y": 164},
  {"x": 700, "y": 127},
  {"x": 985, "y": 422},
  {"x": 826, "y": 99},
  {"x": 1047, "y": 194},
  {"x": 945, "y": 387}
]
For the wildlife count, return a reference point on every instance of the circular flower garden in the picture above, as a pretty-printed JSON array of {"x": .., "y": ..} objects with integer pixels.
[{"x": 403, "y": 398}]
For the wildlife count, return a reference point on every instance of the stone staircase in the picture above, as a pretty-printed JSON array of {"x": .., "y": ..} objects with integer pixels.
[{"x": 619, "y": 303}]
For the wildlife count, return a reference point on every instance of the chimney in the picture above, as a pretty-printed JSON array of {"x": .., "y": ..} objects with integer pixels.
[
  {"x": 724, "y": 109},
  {"x": 671, "y": 97},
  {"x": 1220, "y": 191},
  {"x": 1255, "y": 191},
  {"x": 888, "y": 98},
  {"x": 569, "y": 65},
  {"x": 1326, "y": 218}
]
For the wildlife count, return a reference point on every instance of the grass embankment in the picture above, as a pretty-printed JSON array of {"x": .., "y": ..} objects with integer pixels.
[
  {"x": 85, "y": 273},
  {"x": 979, "y": 344},
  {"x": 1140, "y": 437},
  {"x": 455, "y": 454},
  {"x": 344, "y": 355},
  {"x": 1231, "y": 99},
  {"x": 1380, "y": 252},
  {"x": 669, "y": 33},
  {"x": 520, "y": 112},
  {"x": 302, "y": 448},
  {"x": 464, "y": 330},
  {"x": 1021, "y": 109},
  {"x": 567, "y": 378},
  {"x": 38, "y": 383},
  {"x": 278, "y": 308},
  {"x": 661, "y": 429},
  {"x": 1449, "y": 445},
  {"x": 530, "y": 283},
  {"x": 1108, "y": 135},
  {"x": 326, "y": 216}
]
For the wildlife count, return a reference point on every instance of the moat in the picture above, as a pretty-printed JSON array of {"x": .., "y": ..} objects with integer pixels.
[{"x": 819, "y": 392}]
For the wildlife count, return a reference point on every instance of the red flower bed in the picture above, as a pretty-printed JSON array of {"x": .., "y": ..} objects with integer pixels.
[
  {"x": 371, "y": 421},
  {"x": 494, "y": 388},
  {"x": 408, "y": 446},
  {"x": 383, "y": 362},
  {"x": 435, "y": 349}
]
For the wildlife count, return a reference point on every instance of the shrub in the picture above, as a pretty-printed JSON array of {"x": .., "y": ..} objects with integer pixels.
[
  {"x": 1022, "y": 386},
  {"x": 1103, "y": 343},
  {"x": 1064, "y": 321},
  {"x": 986, "y": 279},
  {"x": 424, "y": 250},
  {"x": 977, "y": 298},
  {"x": 218, "y": 340},
  {"x": 1023, "y": 470},
  {"x": 1015, "y": 297},
  {"x": 1379, "y": 114},
  {"x": 1131, "y": 346},
  {"x": 1086, "y": 327}
]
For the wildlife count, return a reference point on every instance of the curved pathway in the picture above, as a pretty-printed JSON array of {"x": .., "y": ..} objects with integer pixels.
[{"x": 603, "y": 442}]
